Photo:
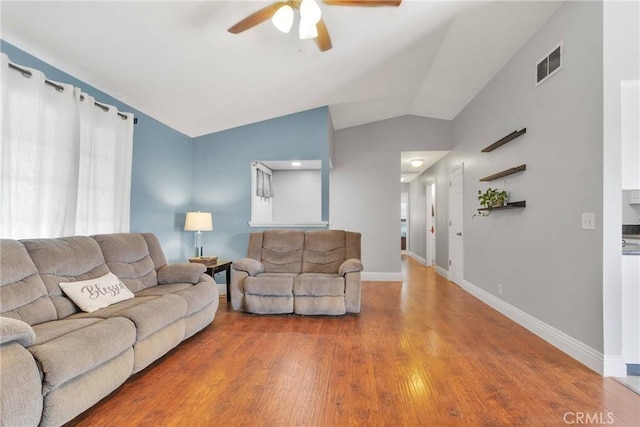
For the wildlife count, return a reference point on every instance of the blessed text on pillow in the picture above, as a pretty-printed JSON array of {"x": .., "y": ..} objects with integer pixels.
[{"x": 94, "y": 294}]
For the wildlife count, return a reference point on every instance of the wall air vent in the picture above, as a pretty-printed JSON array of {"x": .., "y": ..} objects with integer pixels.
[{"x": 549, "y": 65}]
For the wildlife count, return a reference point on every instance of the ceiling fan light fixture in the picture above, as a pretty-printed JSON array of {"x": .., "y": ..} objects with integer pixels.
[
  {"x": 308, "y": 29},
  {"x": 283, "y": 18},
  {"x": 310, "y": 11}
]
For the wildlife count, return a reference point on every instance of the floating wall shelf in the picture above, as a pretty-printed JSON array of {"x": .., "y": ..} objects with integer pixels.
[
  {"x": 504, "y": 173},
  {"x": 513, "y": 135},
  {"x": 512, "y": 205}
]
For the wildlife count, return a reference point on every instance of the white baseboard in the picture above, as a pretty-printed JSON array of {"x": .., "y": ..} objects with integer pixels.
[
  {"x": 222, "y": 288},
  {"x": 442, "y": 272},
  {"x": 584, "y": 354},
  {"x": 372, "y": 276},
  {"x": 417, "y": 257}
]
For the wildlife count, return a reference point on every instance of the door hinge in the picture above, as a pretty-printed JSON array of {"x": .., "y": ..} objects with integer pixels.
[
  {"x": 449, "y": 262},
  {"x": 449, "y": 183}
]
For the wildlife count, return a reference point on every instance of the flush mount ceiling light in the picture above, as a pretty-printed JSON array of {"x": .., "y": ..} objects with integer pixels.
[
  {"x": 311, "y": 24},
  {"x": 416, "y": 163},
  {"x": 296, "y": 164}
]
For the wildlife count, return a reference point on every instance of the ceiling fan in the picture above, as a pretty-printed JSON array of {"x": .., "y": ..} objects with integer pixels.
[{"x": 311, "y": 24}]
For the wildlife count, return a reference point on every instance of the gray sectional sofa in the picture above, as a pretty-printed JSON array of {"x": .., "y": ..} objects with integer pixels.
[
  {"x": 56, "y": 361},
  {"x": 303, "y": 272}
]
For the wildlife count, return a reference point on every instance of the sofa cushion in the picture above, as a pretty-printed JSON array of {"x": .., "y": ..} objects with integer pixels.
[
  {"x": 94, "y": 294},
  {"x": 197, "y": 296},
  {"x": 127, "y": 256},
  {"x": 52, "y": 259},
  {"x": 149, "y": 314},
  {"x": 22, "y": 291},
  {"x": 317, "y": 284},
  {"x": 66, "y": 355},
  {"x": 270, "y": 285},
  {"x": 324, "y": 251},
  {"x": 282, "y": 251}
]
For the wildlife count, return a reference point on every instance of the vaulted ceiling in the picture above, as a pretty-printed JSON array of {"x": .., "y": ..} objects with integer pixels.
[{"x": 175, "y": 60}]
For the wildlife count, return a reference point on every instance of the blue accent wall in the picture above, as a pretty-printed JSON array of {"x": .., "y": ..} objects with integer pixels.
[
  {"x": 222, "y": 171},
  {"x": 162, "y": 166}
]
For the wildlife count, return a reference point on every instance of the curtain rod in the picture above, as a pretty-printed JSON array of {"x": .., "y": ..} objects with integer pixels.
[{"x": 60, "y": 88}]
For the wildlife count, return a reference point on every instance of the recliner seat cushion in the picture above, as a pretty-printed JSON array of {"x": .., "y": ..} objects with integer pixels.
[
  {"x": 197, "y": 296},
  {"x": 149, "y": 314}
]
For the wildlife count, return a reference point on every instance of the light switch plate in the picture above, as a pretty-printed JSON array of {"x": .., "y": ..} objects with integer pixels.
[{"x": 589, "y": 221}]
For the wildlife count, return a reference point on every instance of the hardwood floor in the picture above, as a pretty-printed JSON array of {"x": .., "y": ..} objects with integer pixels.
[{"x": 421, "y": 353}]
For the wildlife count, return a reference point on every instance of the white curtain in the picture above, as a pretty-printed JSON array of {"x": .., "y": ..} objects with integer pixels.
[
  {"x": 264, "y": 188},
  {"x": 65, "y": 164}
]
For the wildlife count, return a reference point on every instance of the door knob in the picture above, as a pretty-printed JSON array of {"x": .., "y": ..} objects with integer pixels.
[{"x": 458, "y": 234}]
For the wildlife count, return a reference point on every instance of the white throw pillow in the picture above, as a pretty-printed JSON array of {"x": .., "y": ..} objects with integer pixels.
[{"x": 91, "y": 295}]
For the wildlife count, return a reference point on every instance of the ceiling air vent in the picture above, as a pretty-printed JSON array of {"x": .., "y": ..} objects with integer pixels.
[{"x": 549, "y": 65}]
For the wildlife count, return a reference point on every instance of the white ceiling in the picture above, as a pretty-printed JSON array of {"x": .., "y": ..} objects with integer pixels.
[{"x": 175, "y": 61}]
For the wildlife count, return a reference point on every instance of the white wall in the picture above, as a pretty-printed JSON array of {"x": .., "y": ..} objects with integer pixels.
[
  {"x": 297, "y": 196},
  {"x": 365, "y": 184}
]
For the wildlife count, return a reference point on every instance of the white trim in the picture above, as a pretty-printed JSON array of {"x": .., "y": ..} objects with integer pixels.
[
  {"x": 417, "y": 257},
  {"x": 222, "y": 289},
  {"x": 442, "y": 272},
  {"x": 614, "y": 366},
  {"x": 584, "y": 354},
  {"x": 319, "y": 224},
  {"x": 373, "y": 276}
]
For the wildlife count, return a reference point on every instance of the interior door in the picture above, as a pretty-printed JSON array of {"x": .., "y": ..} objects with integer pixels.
[{"x": 456, "y": 238}]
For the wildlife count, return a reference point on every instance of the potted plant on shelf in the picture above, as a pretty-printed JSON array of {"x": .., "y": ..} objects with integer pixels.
[{"x": 493, "y": 198}]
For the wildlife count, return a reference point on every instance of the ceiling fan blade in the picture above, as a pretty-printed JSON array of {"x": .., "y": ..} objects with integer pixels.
[
  {"x": 323, "y": 40},
  {"x": 365, "y": 3},
  {"x": 256, "y": 18}
]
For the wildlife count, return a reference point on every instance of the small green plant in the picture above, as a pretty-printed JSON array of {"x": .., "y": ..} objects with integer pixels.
[{"x": 493, "y": 197}]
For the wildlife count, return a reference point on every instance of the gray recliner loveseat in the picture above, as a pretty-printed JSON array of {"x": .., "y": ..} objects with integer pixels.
[
  {"x": 294, "y": 271},
  {"x": 56, "y": 361}
]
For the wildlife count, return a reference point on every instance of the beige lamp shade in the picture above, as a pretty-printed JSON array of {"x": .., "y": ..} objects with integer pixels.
[{"x": 198, "y": 221}]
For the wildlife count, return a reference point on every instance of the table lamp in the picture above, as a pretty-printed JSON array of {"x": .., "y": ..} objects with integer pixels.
[{"x": 198, "y": 222}]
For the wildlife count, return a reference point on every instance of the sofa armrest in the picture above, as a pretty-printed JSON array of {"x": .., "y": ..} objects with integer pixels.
[
  {"x": 350, "y": 266},
  {"x": 249, "y": 266},
  {"x": 13, "y": 330},
  {"x": 181, "y": 273}
]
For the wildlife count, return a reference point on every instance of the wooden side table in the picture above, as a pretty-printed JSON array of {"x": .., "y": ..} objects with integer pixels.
[{"x": 217, "y": 268}]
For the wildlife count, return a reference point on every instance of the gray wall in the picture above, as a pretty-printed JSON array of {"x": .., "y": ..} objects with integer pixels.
[
  {"x": 365, "y": 182},
  {"x": 438, "y": 174},
  {"x": 548, "y": 267}
]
